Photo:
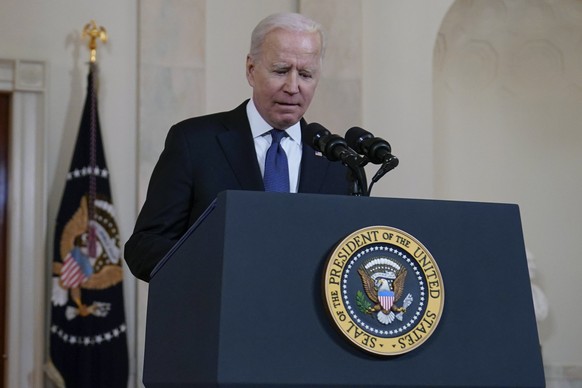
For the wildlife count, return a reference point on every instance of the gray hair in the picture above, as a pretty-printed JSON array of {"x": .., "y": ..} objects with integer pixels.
[{"x": 285, "y": 21}]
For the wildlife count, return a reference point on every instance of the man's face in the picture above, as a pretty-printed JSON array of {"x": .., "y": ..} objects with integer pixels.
[{"x": 285, "y": 75}]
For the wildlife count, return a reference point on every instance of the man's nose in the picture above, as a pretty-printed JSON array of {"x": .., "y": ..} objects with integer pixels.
[{"x": 291, "y": 83}]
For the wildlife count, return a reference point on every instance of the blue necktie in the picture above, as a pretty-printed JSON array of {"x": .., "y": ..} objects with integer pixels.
[{"x": 276, "y": 167}]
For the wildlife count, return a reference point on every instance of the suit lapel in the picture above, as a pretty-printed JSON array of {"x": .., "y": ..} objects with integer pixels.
[{"x": 239, "y": 149}]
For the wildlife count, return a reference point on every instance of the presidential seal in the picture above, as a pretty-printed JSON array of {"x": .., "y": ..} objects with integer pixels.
[{"x": 383, "y": 290}]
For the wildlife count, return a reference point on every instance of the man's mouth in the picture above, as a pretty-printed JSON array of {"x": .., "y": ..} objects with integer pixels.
[{"x": 287, "y": 104}]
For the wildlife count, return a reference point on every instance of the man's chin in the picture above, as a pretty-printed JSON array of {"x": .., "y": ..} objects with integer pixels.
[{"x": 286, "y": 120}]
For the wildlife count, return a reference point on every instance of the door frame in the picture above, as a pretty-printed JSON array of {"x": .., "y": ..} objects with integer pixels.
[{"x": 26, "y": 233}]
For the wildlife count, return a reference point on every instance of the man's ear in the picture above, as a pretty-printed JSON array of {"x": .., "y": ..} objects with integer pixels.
[{"x": 250, "y": 68}]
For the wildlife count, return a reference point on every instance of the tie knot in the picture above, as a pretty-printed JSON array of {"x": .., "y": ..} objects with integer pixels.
[{"x": 277, "y": 135}]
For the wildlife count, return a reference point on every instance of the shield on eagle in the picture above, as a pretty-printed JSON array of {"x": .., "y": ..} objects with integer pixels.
[{"x": 386, "y": 298}]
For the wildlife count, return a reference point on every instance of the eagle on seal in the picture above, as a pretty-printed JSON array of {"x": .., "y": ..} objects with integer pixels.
[{"x": 383, "y": 294}]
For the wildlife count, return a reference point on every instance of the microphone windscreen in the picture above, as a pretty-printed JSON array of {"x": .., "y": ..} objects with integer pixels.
[
  {"x": 355, "y": 136},
  {"x": 313, "y": 133}
]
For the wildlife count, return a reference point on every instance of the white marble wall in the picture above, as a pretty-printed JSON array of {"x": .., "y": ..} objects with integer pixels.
[
  {"x": 338, "y": 102},
  {"x": 172, "y": 73},
  {"x": 508, "y": 93}
]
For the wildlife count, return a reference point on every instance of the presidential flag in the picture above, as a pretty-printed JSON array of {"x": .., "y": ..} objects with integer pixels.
[{"x": 88, "y": 332}]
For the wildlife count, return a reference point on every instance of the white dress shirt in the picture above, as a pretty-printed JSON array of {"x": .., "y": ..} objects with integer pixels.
[{"x": 291, "y": 144}]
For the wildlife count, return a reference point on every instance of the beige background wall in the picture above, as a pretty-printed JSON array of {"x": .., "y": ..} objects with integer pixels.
[
  {"x": 508, "y": 92},
  {"x": 456, "y": 139}
]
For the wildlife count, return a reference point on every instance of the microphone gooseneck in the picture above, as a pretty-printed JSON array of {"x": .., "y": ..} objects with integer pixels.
[{"x": 376, "y": 149}]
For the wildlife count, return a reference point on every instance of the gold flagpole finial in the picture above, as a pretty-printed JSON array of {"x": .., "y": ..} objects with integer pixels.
[{"x": 94, "y": 32}]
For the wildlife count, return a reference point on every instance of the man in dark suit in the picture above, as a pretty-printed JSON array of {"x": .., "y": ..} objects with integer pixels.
[{"x": 206, "y": 155}]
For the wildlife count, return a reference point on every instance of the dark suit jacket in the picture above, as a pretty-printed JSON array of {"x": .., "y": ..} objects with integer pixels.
[{"x": 202, "y": 157}]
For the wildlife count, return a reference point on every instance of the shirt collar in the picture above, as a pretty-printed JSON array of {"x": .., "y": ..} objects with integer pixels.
[{"x": 259, "y": 126}]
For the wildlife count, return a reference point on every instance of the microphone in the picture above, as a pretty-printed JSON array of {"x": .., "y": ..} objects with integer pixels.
[
  {"x": 376, "y": 149},
  {"x": 332, "y": 146}
]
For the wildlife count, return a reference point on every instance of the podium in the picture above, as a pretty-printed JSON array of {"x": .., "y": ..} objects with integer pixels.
[{"x": 238, "y": 300}]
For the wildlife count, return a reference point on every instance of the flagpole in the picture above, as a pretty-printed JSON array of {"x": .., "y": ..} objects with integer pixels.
[{"x": 94, "y": 33}]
